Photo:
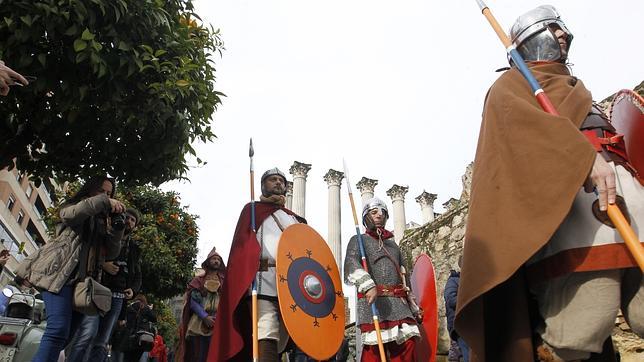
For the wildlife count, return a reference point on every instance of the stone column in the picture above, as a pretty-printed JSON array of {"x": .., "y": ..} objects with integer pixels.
[
  {"x": 333, "y": 179},
  {"x": 366, "y": 187},
  {"x": 426, "y": 201},
  {"x": 397, "y": 194},
  {"x": 299, "y": 171},
  {"x": 289, "y": 195}
]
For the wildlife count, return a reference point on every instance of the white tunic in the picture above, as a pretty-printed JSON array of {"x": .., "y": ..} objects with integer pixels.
[{"x": 268, "y": 235}]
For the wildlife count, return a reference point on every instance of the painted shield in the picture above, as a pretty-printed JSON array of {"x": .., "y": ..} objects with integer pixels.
[
  {"x": 627, "y": 116},
  {"x": 423, "y": 284},
  {"x": 310, "y": 292}
]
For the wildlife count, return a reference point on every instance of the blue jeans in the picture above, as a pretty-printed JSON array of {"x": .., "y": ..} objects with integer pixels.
[
  {"x": 59, "y": 320},
  {"x": 465, "y": 349},
  {"x": 84, "y": 330},
  {"x": 105, "y": 327}
]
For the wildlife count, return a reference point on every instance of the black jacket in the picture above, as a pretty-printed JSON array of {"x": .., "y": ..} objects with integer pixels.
[
  {"x": 129, "y": 274},
  {"x": 451, "y": 290}
]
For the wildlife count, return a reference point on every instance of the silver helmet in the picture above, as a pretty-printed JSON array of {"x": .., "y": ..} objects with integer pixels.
[
  {"x": 271, "y": 172},
  {"x": 533, "y": 35},
  {"x": 371, "y": 204}
]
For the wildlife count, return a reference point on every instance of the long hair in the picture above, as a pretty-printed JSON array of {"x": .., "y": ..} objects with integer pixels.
[{"x": 89, "y": 187}]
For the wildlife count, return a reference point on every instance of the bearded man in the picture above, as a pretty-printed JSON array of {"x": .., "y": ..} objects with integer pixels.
[
  {"x": 200, "y": 310},
  {"x": 252, "y": 257}
]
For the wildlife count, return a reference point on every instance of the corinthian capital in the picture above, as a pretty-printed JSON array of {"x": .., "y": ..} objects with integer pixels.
[
  {"x": 366, "y": 185},
  {"x": 397, "y": 193},
  {"x": 333, "y": 177},
  {"x": 299, "y": 169},
  {"x": 426, "y": 199}
]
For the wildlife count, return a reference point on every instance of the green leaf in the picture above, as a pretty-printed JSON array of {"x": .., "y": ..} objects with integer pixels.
[
  {"x": 26, "y": 19},
  {"x": 87, "y": 35},
  {"x": 9, "y": 21},
  {"x": 72, "y": 30},
  {"x": 79, "y": 45},
  {"x": 159, "y": 53},
  {"x": 42, "y": 58},
  {"x": 182, "y": 83},
  {"x": 124, "y": 46}
]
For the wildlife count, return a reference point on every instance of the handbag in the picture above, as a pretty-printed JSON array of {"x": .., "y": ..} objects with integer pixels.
[
  {"x": 142, "y": 341},
  {"x": 91, "y": 297}
]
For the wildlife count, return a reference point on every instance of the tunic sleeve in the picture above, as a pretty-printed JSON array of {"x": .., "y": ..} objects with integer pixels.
[{"x": 353, "y": 272}]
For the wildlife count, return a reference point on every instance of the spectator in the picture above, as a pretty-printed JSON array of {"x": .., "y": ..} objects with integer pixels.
[
  {"x": 139, "y": 321},
  {"x": 451, "y": 292},
  {"x": 123, "y": 277},
  {"x": 9, "y": 77},
  {"x": 83, "y": 235}
]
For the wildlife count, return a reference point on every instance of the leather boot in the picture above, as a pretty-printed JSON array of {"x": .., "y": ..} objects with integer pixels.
[{"x": 268, "y": 350}]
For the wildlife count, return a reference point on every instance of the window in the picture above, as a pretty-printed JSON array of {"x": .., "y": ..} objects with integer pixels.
[
  {"x": 11, "y": 202},
  {"x": 30, "y": 190},
  {"x": 21, "y": 217}
]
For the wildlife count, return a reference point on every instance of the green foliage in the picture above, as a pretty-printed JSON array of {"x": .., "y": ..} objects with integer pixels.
[
  {"x": 123, "y": 87},
  {"x": 166, "y": 324}
]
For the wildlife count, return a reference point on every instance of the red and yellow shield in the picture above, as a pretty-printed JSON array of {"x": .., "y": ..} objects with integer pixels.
[
  {"x": 310, "y": 292},
  {"x": 627, "y": 116}
]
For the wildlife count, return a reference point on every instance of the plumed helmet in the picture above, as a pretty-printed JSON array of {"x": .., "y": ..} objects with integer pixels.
[
  {"x": 271, "y": 172},
  {"x": 534, "y": 38},
  {"x": 371, "y": 204}
]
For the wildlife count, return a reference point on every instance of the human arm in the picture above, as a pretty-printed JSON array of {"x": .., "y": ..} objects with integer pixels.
[
  {"x": 355, "y": 274},
  {"x": 450, "y": 293},
  {"x": 9, "y": 77},
  {"x": 76, "y": 214}
]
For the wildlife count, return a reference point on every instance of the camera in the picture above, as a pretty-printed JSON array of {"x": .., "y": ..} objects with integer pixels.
[{"x": 118, "y": 221}]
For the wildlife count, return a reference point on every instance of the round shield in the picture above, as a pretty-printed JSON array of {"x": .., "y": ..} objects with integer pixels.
[
  {"x": 310, "y": 292},
  {"x": 423, "y": 284},
  {"x": 627, "y": 116}
]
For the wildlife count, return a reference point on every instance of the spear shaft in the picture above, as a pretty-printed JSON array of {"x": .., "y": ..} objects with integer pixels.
[
  {"x": 251, "y": 153},
  {"x": 614, "y": 213}
]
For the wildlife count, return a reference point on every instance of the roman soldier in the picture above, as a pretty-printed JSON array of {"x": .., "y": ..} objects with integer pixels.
[
  {"x": 538, "y": 243},
  {"x": 252, "y": 257},
  {"x": 385, "y": 285}
]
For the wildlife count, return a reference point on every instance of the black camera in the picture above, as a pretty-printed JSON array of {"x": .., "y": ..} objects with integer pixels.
[{"x": 118, "y": 221}]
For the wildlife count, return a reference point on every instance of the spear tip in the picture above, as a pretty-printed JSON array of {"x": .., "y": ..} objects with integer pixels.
[
  {"x": 481, "y": 4},
  {"x": 251, "y": 151}
]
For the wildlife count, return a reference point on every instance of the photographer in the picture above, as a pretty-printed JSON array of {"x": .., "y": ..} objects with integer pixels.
[
  {"x": 123, "y": 277},
  {"x": 84, "y": 233}
]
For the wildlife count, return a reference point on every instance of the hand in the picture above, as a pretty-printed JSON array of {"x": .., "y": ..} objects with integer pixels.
[
  {"x": 129, "y": 293},
  {"x": 602, "y": 177},
  {"x": 110, "y": 267},
  {"x": 9, "y": 77},
  {"x": 419, "y": 315},
  {"x": 4, "y": 259},
  {"x": 371, "y": 295},
  {"x": 117, "y": 206},
  {"x": 209, "y": 321}
]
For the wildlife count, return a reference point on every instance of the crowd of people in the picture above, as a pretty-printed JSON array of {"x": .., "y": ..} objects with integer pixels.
[{"x": 559, "y": 264}]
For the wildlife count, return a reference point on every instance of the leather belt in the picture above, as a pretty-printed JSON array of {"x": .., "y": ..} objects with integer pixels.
[
  {"x": 264, "y": 264},
  {"x": 389, "y": 291}
]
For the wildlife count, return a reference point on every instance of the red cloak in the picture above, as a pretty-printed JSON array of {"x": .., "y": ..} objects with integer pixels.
[
  {"x": 231, "y": 338},
  {"x": 197, "y": 283}
]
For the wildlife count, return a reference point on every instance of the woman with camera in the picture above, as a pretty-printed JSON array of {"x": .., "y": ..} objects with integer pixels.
[{"x": 84, "y": 237}]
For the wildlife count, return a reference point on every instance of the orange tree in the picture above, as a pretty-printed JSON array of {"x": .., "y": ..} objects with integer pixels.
[{"x": 123, "y": 87}]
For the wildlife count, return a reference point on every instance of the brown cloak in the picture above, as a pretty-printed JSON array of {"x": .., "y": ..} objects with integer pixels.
[{"x": 529, "y": 166}]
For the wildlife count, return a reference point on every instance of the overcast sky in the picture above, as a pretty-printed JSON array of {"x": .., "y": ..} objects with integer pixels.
[{"x": 394, "y": 87}]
